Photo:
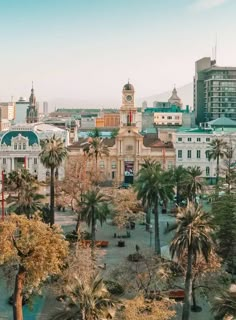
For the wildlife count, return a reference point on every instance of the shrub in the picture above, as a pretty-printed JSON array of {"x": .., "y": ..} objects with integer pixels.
[
  {"x": 114, "y": 287},
  {"x": 135, "y": 257}
]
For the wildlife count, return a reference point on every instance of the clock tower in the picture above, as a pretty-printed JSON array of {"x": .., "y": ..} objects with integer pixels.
[{"x": 128, "y": 109}]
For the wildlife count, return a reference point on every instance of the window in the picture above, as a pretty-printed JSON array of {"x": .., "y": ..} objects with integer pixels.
[
  {"x": 189, "y": 139},
  {"x": 189, "y": 154},
  {"x": 169, "y": 117},
  {"x": 207, "y": 154},
  {"x": 180, "y": 153},
  {"x": 15, "y": 146},
  {"x": 102, "y": 165},
  {"x": 113, "y": 165},
  {"x": 113, "y": 174},
  {"x": 24, "y": 146},
  {"x": 129, "y": 148},
  {"x": 4, "y": 161},
  {"x": 35, "y": 160},
  {"x": 179, "y": 139},
  {"x": 198, "y": 154},
  {"x": 19, "y": 146},
  {"x": 208, "y": 139},
  {"x": 207, "y": 171},
  {"x": 198, "y": 139}
]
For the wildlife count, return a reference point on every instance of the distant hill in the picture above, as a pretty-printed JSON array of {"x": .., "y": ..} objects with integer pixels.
[{"x": 185, "y": 93}]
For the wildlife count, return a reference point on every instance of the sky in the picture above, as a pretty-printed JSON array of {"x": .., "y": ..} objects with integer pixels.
[{"x": 88, "y": 49}]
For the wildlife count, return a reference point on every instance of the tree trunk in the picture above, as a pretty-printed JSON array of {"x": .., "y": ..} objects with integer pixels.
[
  {"x": 148, "y": 218},
  {"x": 93, "y": 229},
  {"x": 77, "y": 223},
  {"x": 52, "y": 197},
  {"x": 157, "y": 231},
  {"x": 217, "y": 170},
  {"x": 194, "y": 295},
  {"x": 18, "y": 294},
  {"x": 177, "y": 193},
  {"x": 188, "y": 287}
]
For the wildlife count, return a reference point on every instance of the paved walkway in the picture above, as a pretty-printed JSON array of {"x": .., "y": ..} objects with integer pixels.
[{"x": 114, "y": 255}]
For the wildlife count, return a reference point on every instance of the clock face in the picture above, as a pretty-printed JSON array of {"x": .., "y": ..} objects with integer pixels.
[{"x": 129, "y": 98}]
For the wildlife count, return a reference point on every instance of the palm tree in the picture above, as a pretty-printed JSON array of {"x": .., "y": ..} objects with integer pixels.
[
  {"x": 52, "y": 155},
  {"x": 193, "y": 237},
  {"x": 179, "y": 176},
  {"x": 88, "y": 301},
  {"x": 96, "y": 148},
  {"x": 193, "y": 182},
  {"x": 225, "y": 305},
  {"x": 95, "y": 133},
  {"x": 148, "y": 206},
  {"x": 153, "y": 184},
  {"x": 217, "y": 151},
  {"x": 28, "y": 201},
  {"x": 230, "y": 173},
  {"x": 94, "y": 206},
  {"x": 18, "y": 179}
]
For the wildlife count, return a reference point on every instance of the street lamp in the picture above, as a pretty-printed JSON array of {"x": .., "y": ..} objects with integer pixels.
[{"x": 150, "y": 232}]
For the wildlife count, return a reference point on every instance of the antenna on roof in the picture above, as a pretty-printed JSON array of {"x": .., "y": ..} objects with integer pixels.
[{"x": 216, "y": 48}]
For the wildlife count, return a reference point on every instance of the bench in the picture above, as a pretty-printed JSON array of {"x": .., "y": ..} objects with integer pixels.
[
  {"x": 98, "y": 243},
  {"x": 176, "y": 294}
]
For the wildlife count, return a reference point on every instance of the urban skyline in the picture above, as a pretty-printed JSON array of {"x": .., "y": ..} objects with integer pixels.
[{"x": 87, "y": 50}]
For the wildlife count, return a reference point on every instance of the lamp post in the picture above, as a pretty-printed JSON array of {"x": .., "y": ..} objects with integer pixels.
[
  {"x": 150, "y": 232},
  {"x": 3, "y": 209}
]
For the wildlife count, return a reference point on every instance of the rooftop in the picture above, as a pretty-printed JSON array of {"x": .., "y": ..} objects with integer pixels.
[{"x": 222, "y": 122}]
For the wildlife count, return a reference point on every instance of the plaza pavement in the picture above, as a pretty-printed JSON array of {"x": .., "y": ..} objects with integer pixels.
[{"x": 114, "y": 255}]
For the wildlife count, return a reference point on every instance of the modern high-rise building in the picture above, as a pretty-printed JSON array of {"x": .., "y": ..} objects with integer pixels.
[
  {"x": 45, "y": 107},
  {"x": 214, "y": 91},
  {"x": 21, "y": 108}
]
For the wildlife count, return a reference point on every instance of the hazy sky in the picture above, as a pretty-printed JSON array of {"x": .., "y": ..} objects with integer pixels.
[{"x": 87, "y": 49}]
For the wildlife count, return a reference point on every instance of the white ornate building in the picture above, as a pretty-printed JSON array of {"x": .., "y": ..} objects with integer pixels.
[
  {"x": 20, "y": 147},
  {"x": 192, "y": 145}
]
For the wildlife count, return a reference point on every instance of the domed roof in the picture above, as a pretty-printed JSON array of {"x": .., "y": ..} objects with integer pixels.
[
  {"x": 128, "y": 86},
  {"x": 33, "y": 138},
  {"x": 174, "y": 99}
]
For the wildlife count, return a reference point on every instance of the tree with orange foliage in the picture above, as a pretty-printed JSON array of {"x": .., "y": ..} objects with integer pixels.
[
  {"x": 78, "y": 180},
  {"x": 142, "y": 309},
  {"x": 126, "y": 206},
  {"x": 36, "y": 250}
]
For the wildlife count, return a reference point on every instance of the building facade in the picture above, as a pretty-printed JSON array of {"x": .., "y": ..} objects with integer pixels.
[
  {"x": 20, "y": 148},
  {"x": 45, "y": 107},
  {"x": 192, "y": 147},
  {"x": 8, "y": 110},
  {"x": 214, "y": 91},
  {"x": 32, "y": 114},
  {"x": 129, "y": 149}
]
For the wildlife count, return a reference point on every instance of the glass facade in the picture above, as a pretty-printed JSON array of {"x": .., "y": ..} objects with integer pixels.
[{"x": 220, "y": 94}]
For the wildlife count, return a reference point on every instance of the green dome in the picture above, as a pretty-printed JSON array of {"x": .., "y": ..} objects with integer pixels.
[
  {"x": 128, "y": 86},
  {"x": 32, "y": 136}
]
